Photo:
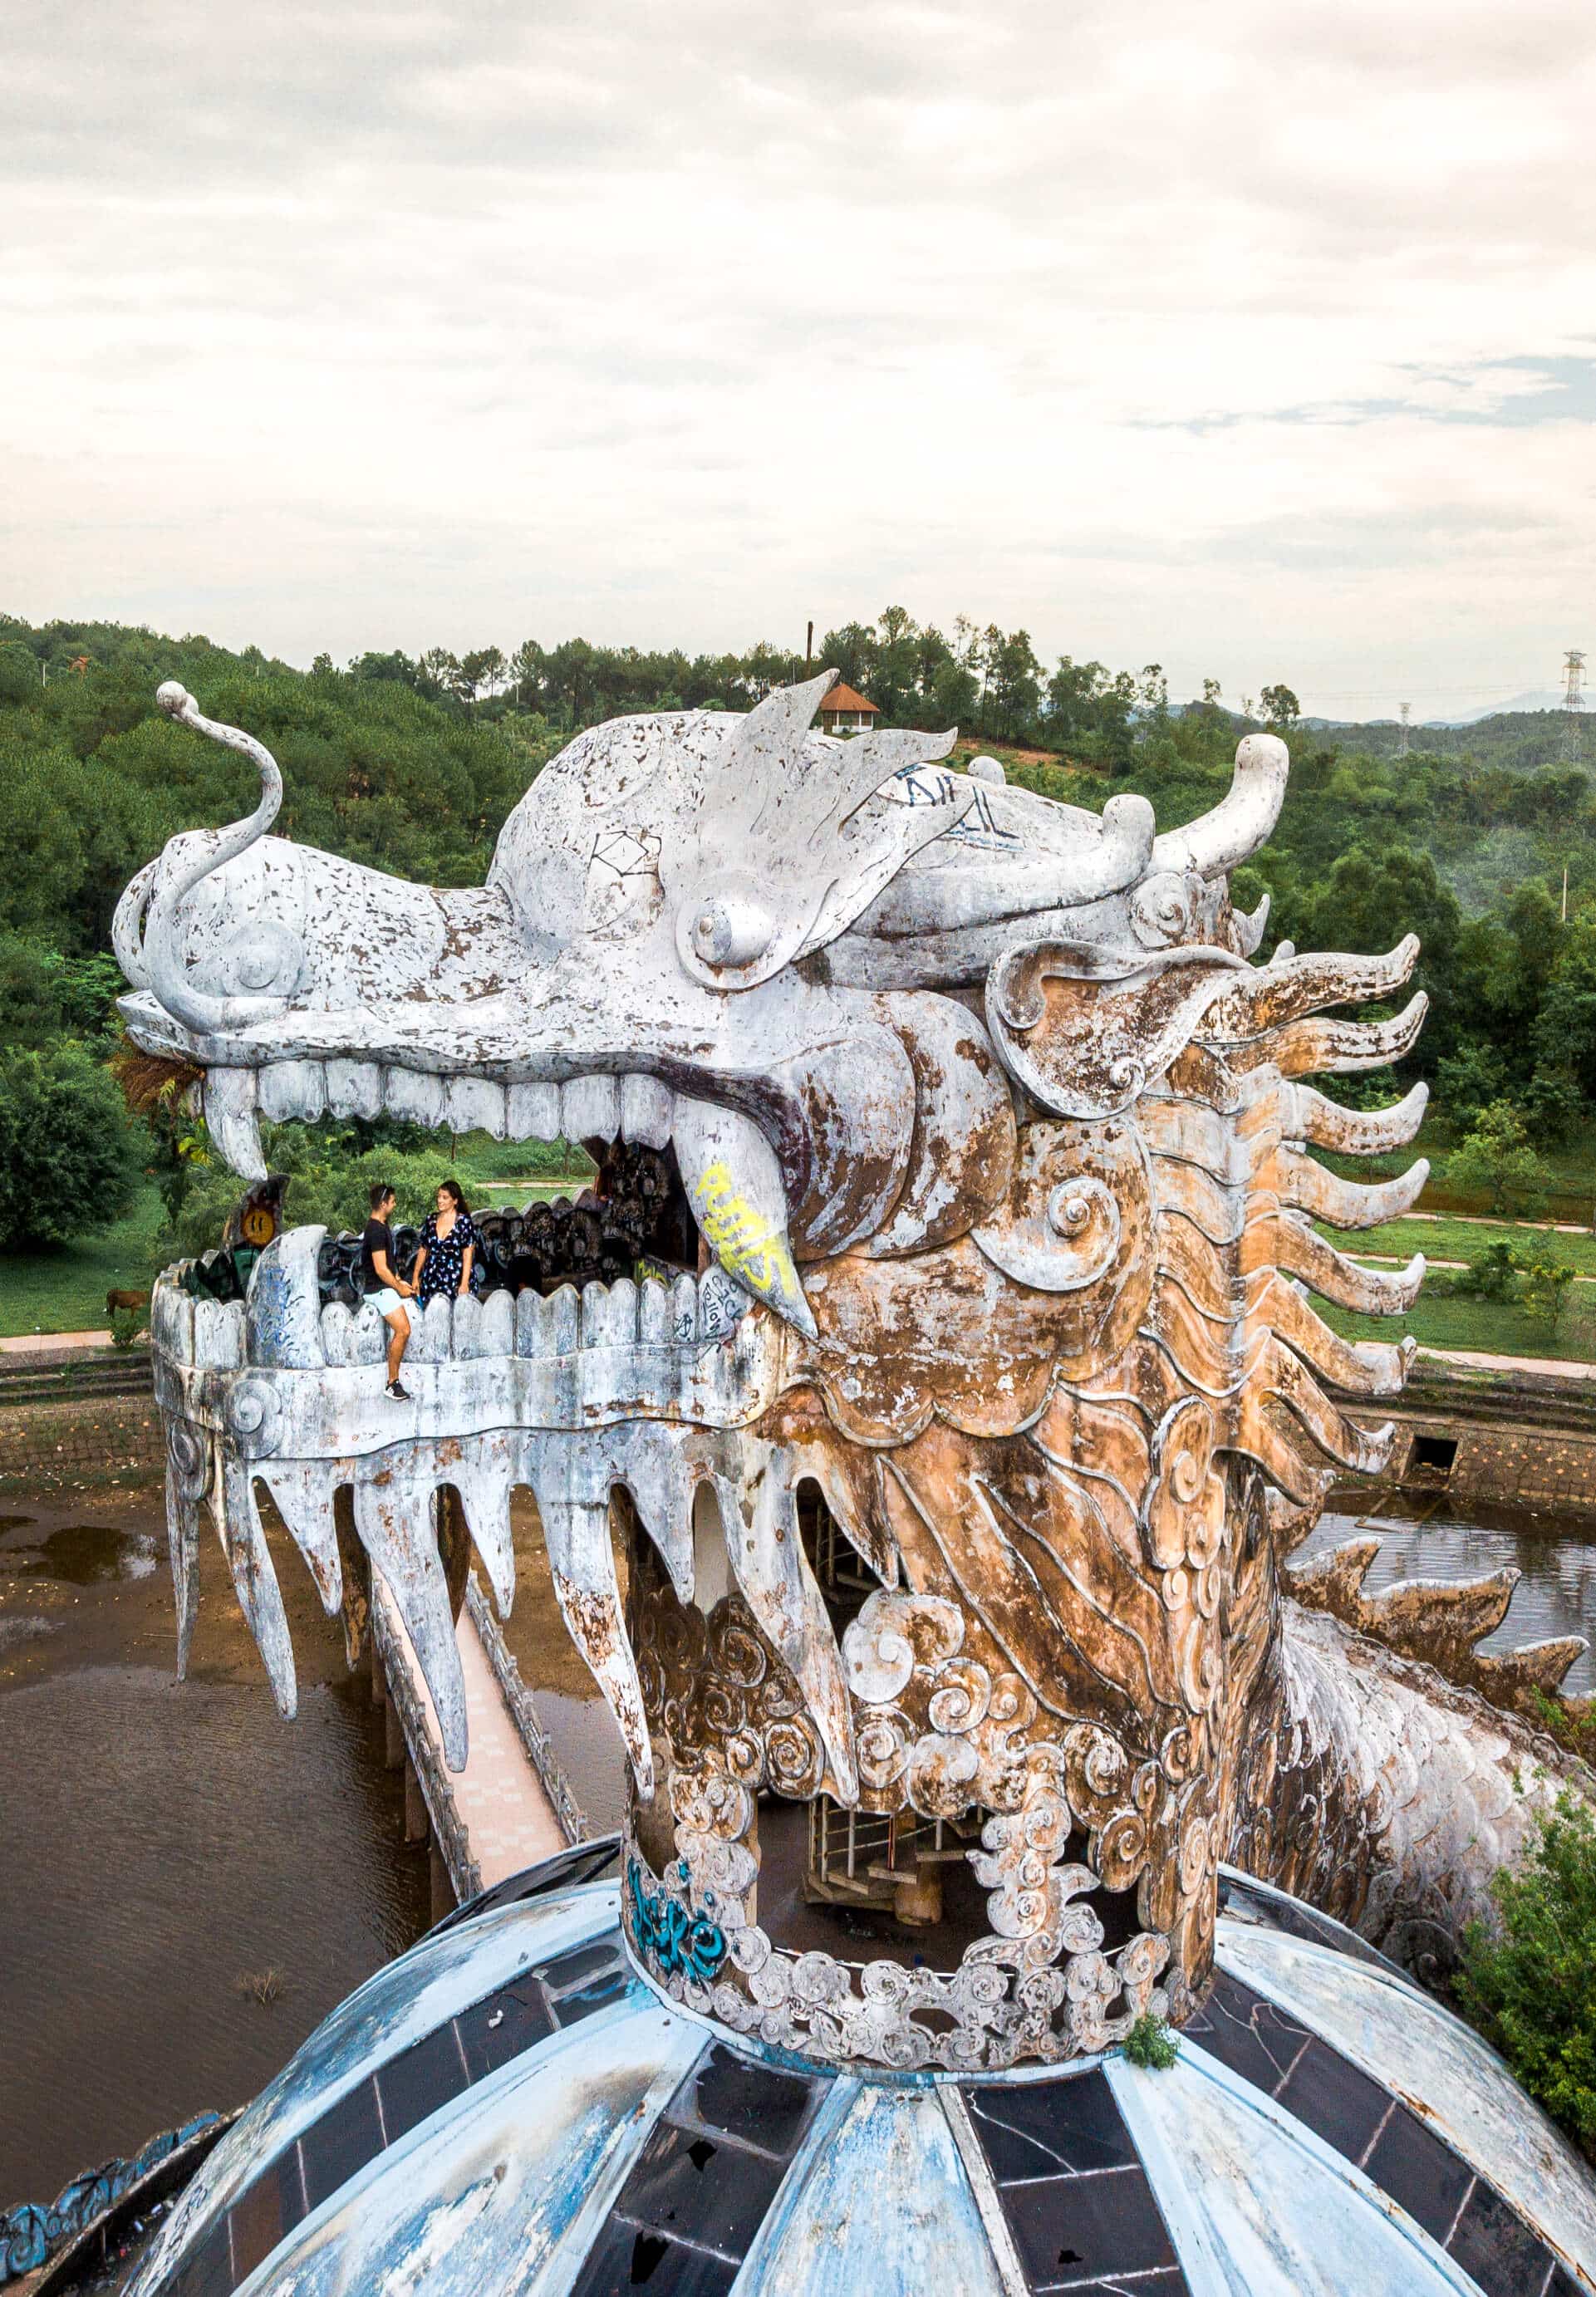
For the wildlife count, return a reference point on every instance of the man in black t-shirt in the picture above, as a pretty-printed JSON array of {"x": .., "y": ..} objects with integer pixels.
[{"x": 382, "y": 1286}]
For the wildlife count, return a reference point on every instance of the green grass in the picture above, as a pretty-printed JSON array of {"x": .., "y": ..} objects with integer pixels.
[
  {"x": 1568, "y": 1193},
  {"x": 1463, "y": 1239},
  {"x": 65, "y": 1290},
  {"x": 1488, "y": 1327}
]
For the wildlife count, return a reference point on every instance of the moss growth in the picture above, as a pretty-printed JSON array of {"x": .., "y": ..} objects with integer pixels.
[{"x": 1150, "y": 2043}]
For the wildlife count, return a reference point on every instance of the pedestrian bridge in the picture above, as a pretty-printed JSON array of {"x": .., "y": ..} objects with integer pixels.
[{"x": 512, "y": 1805}]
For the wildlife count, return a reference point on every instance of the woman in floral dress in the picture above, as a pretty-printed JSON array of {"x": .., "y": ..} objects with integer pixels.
[{"x": 450, "y": 1246}]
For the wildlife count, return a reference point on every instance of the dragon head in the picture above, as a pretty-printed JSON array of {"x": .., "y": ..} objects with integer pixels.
[{"x": 954, "y": 1463}]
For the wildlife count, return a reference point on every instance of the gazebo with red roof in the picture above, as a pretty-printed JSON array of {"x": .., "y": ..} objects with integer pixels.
[{"x": 844, "y": 712}]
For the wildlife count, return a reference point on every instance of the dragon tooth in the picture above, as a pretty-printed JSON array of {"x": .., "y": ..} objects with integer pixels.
[
  {"x": 218, "y": 1335},
  {"x": 610, "y": 1315},
  {"x": 393, "y": 1515},
  {"x": 532, "y": 1112},
  {"x": 415, "y": 1095},
  {"x": 354, "y": 1089},
  {"x": 564, "y": 1314},
  {"x": 499, "y": 1324},
  {"x": 237, "y": 1521},
  {"x": 654, "y": 1313},
  {"x": 335, "y": 1335},
  {"x": 183, "y": 1546},
  {"x": 734, "y": 1185},
  {"x": 759, "y": 1521},
  {"x": 648, "y": 1109},
  {"x": 723, "y": 1304},
  {"x": 474, "y": 1104},
  {"x": 660, "y": 1481},
  {"x": 465, "y": 1334},
  {"x": 302, "y": 1494},
  {"x": 291, "y": 1092},
  {"x": 582, "y": 1566},
  {"x": 431, "y": 1330},
  {"x": 590, "y": 1108},
  {"x": 684, "y": 1310},
  {"x": 232, "y": 1120},
  {"x": 482, "y": 1478},
  {"x": 282, "y": 1314},
  {"x": 532, "y": 1323}
]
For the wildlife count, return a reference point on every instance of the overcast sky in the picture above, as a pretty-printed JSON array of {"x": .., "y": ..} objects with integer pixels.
[{"x": 1257, "y": 338}]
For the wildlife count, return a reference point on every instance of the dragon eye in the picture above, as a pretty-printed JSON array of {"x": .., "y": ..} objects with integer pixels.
[{"x": 732, "y": 929}]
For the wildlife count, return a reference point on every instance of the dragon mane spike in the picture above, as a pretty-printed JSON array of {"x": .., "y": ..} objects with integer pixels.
[
  {"x": 1284, "y": 991},
  {"x": 1313, "y": 1189},
  {"x": 1241, "y": 820},
  {"x": 1335, "y": 1582},
  {"x": 1307, "y": 1048},
  {"x": 1301, "y": 1251},
  {"x": 1310, "y": 1116}
]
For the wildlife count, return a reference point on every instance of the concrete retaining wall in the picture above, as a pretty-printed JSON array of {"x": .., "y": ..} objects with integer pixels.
[
  {"x": 48, "y": 1447},
  {"x": 1515, "y": 1438}
]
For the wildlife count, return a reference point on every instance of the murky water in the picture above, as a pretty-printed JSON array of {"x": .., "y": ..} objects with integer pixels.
[
  {"x": 582, "y": 1731},
  {"x": 1425, "y": 1537},
  {"x": 168, "y": 1852}
]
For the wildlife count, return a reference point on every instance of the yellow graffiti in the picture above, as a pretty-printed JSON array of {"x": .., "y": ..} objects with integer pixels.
[{"x": 745, "y": 1242}]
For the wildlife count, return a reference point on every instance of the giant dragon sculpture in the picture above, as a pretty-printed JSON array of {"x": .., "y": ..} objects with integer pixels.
[{"x": 952, "y": 1641}]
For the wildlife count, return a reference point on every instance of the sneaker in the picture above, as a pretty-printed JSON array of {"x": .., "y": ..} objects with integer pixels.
[{"x": 401, "y": 1394}]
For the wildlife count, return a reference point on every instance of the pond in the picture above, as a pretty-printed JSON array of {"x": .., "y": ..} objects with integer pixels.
[
  {"x": 188, "y": 1884},
  {"x": 1426, "y": 1536}
]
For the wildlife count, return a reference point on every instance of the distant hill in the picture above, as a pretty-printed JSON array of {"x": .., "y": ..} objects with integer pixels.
[{"x": 1520, "y": 703}]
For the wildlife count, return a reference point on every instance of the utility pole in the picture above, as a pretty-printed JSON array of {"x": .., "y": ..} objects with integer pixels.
[
  {"x": 1573, "y": 702},
  {"x": 1407, "y": 713},
  {"x": 809, "y": 648}
]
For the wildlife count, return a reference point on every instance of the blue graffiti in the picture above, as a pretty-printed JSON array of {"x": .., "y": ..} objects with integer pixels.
[
  {"x": 670, "y": 1936},
  {"x": 29, "y": 2235}
]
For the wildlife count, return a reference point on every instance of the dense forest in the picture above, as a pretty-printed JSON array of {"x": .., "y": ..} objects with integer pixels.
[{"x": 413, "y": 764}]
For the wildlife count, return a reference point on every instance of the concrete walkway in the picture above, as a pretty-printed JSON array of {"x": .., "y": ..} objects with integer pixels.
[
  {"x": 508, "y": 1819},
  {"x": 25, "y": 1344},
  {"x": 1560, "y": 1367}
]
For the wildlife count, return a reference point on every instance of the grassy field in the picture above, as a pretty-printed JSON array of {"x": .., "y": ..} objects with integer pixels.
[
  {"x": 1464, "y": 1239},
  {"x": 64, "y": 1291},
  {"x": 1493, "y": 1327}
]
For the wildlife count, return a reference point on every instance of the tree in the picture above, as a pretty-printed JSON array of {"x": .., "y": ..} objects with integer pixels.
[
  {"x": 1564, "y": 1027},
  {"x": 70, "y": 1161},
  {"x": 481, "y": 671},
  {"x": 1013, "y": 694},
  {"x": 1531, "y": 1983},
  {"x": 1468, "y": 1080},
  {"x": 1497, "y": 1155},
  {"x": 1281, "y": 706},
  {"x": 1545, "y": 1289}
]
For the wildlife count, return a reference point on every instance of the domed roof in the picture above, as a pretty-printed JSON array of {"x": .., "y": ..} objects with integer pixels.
[{"x": 510, "y": 2107}]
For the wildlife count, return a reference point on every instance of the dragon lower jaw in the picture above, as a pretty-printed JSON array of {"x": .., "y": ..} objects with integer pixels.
[{"x": 649, "y": 1388}]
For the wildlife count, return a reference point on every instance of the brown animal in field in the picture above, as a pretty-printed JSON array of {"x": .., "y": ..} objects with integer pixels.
[{"x": 115, "y": 1300}]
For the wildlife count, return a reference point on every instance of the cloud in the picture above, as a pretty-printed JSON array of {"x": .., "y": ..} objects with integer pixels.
[{"x": 1214, "y": 339}]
